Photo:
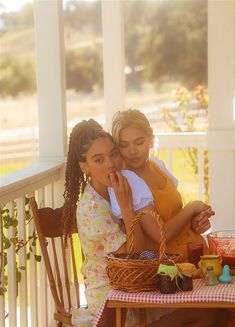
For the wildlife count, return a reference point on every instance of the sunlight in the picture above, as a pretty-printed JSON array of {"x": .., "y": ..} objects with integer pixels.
[
  {"x": 12, "y": 5},
  {"x": 15, "y": 5}
]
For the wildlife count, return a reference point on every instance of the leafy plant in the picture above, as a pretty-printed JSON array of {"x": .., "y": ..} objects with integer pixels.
[
  {"x": 190, "y": 116},
  {"x": 7, "y": 222}
]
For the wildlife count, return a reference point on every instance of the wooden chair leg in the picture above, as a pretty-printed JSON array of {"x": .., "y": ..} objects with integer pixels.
[{"x": 142, "y": 317}]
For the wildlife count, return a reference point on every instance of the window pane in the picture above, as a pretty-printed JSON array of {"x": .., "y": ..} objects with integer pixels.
[
  {"x": 84, "y": 66},
  {"x": 18, "y": 109},
  {"x": 166, "y": 48}
]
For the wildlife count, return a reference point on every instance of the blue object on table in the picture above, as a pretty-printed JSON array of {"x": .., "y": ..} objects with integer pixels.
[{"x": 226, "y": 276}]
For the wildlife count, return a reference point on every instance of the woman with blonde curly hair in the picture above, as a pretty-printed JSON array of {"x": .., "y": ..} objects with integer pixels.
[{"x": 134, "y": 136}]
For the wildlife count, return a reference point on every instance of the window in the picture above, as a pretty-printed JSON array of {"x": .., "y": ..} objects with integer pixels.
[
  {"x": 84, "y": 63},
  {"x": 166, "y": 48},
  {"x": 18, "y": 109}
]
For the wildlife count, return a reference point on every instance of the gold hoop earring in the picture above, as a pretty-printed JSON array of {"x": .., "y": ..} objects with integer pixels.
[{"x": 86, "y": 174}]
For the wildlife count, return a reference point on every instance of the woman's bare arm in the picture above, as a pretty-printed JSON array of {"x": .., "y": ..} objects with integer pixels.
[
  {"x": 148, "y": 222},
  {"x": 173, "y": 226}
]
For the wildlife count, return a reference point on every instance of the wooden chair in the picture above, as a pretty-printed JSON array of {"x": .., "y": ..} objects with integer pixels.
[{"x": 49, "y": 226}]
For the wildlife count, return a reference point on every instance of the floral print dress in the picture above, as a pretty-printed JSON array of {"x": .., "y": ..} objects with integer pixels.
[{"x": 99, "y": 234}]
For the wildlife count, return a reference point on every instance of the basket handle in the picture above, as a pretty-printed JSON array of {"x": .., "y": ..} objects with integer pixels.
[{"x": 160, "y": 223}]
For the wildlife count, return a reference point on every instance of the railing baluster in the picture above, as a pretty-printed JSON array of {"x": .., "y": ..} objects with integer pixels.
[
  {"x": 42, "y": 291},
  {"x": 33, "y": 281},
  {"x": 2, "y": 308},
  {"x": 37, "y": 176},
  {"x": 11, "y": 272},
  {"x": 2, "y": 297},
  {"x": 20, "y": 205}
]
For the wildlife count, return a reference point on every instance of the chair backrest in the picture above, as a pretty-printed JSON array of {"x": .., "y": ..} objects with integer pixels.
[{"x": 49, "y": 226}]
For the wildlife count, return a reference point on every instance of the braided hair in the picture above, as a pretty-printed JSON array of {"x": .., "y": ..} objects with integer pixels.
[{"x": 81, "y": 138}]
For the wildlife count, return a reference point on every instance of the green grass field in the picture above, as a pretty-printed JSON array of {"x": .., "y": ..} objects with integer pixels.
[{"x": 9, "y": 168}]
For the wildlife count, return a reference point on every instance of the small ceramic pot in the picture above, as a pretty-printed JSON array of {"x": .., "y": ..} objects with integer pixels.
[{"x": 210, "y": 260}]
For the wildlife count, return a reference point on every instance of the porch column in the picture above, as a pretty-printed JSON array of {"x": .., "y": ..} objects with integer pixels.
[
  {"x": 221, "y": 142},
  {"x": 113, "y": 58},
  {"x": 50, "y": 71}
]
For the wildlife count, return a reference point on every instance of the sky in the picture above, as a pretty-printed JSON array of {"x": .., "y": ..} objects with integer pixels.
[{"x": 13, "y": 5}]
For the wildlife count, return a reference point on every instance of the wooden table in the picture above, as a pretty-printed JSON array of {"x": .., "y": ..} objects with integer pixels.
[{"x": 219, "y": 296}]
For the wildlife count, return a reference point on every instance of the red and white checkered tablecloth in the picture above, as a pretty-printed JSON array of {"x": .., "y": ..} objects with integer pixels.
[{"x": 200, "y": 293}]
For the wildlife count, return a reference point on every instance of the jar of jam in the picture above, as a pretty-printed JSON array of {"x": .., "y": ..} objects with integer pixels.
[
  {"x": 167, "y": 284},
  {"x": 185, "y": 283},
  {"x": 195, "y": 251}
]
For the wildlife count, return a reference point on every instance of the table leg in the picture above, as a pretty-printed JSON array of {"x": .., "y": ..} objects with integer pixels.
[
  {"x": 233, "y": 318},
  {"x": 118, "y": 317},
  {"x": 142, "y": 317}
]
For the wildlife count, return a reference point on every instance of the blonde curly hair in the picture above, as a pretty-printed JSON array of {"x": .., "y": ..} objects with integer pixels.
[{"x": 127, "y": 118}]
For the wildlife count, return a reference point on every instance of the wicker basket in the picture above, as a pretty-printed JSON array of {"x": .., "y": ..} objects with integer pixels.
[{"x": 135, "y": 275}]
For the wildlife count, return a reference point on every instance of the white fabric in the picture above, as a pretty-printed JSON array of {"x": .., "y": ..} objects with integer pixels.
[
  {"x": 162, "y": 166},
  {"x": 141, "y": 194}
]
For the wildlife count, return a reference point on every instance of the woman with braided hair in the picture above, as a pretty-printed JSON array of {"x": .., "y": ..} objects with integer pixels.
[{"x": 93, "y": 166}]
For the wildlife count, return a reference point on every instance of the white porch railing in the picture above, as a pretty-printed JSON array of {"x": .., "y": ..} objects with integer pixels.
[
  {"x": 45, "y": 181},
  {"x": 31, "y": 304}
]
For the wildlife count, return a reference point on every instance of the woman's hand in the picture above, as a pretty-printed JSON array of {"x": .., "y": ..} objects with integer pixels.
[
  {"x": 122, "y": 191},
  {"x": 124, "y": 198},
  {"x": 197, "y": 207},
  {"x": 200, "y": 223}
]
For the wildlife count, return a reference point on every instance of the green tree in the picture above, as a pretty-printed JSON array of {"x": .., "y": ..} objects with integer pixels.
[
  {"x": 83, "y": 15},
  {"x": 169, "y": 39},
  {"x": 17, "y": 75},
  {"x": 84, "y": 68},
  {"x": 176, "y": 45}
]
